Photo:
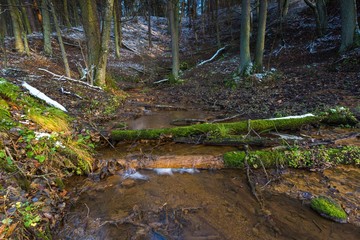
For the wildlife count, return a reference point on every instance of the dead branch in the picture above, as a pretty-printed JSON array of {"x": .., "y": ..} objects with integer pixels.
[
  {"x": 61, "y": 77},
  {"x": 160, "y": 81},
  {"x": 69, "y": 93},
  {"x": 213, "y": 57},
  {"x": 129, "y": 48}
]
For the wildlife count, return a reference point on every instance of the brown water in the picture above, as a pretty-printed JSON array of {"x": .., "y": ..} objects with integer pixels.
[{"x": 205, "y": 205}]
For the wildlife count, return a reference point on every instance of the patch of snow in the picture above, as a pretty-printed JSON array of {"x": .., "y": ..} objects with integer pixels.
[
  {"x": 36, "y": 93},
  {"x": 294, "y": 117}
]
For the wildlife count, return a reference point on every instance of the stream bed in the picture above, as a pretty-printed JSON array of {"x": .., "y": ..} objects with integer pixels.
[
  {"x": 206, "y": 204},
  {"x": 180, "y": 191}
]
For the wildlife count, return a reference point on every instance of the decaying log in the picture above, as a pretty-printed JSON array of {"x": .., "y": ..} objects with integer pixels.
[{"x": 217, "y": 128}]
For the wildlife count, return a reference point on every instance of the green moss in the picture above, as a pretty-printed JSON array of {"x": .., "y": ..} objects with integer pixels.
[
  {"x": 234, "y": 159},
  {"x": 328, "y": 208},
  {"x": 339, "y": 116},
  {"x": 295, "y": 157},
  {"x": 8, "y": 90},
  {"x": 217, "y": 129}
]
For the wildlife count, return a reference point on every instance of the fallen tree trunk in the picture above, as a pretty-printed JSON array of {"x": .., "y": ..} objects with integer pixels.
[
  {"x": 316, "y": 158},
  {"x": 260, "y": 125}
]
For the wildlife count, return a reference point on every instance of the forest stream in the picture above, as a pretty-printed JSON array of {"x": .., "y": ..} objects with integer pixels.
[{"x": 199, "y": 199}]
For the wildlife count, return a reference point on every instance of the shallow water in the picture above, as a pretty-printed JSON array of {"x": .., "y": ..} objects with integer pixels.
[{"x": 204, "y": 205}]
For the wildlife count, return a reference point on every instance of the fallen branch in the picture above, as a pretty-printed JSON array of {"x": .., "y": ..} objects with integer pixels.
[
  {"x": 60, "y": 77},
  {"x": 69, "y": 93},
  {"x": 213, "y": 57},
  {"x": 162, "y": 80},
  {"x": 129, "y": 48}
]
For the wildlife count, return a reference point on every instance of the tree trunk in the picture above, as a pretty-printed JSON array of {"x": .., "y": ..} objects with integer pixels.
[
  {"x": 260, "y": 38},
  {"x": 320, "y": 12},
  {"x": 216, "y": 129},
  {"x": 66, "y": 14},
  {"x": 245, "y": 59},
  {"x": 92, "y": 35},
  {"x": 58, "y": 32},
  {"x": 16, "y": 23},
  {"x": 100, "y": 77},
  {"x": 217, "y": 26},
  {"x": 46, "y": 27},
  {"x": 2, "y": 37},
  {"x": 323, "y": 16},
  {"x": 348, "y": 24},
  {"x": 173, "y": 7},
  {"x": 117, "y": 27},
  {"x": 30, "y": 14},
  {"x": 149, "y": 23},
  {"x": 25, "y": 19}
]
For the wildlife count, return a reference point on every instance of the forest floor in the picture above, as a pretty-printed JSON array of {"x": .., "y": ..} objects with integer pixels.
[{"x": 308, "y": 74}]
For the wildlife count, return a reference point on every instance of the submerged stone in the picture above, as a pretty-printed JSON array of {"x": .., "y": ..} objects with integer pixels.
[{"x": 328, "y": 208}]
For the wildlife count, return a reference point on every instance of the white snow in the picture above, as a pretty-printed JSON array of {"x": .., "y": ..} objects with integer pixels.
[
  {"x": 36, "y": 93},
  {"x": 294, "y": 117}
]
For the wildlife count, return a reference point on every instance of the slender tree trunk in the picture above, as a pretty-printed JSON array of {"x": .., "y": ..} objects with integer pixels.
[
  {"x": 92, "y": 35},
  {"x": 100, "y": 77},
  {"x": 245, "y": 59},
  {"x": 348, "y": 24},
  {"x": 260, "y": 38},
  {"x": 66, "y": 14},
  {"x": 25, "y": 19},
  {"x": 149, "y": 23},
  {"x": 320, "y": 12},
  {"x": 2, "y": 38},
  {"x": 30, "y": 14},
  {"x": 117, "y": 27},
  {"x": 46, "y": 27},
  {"x": 58, "y": 33},
  {"x": 16, "y": 23},
  {"x": 174, "y": 28},
  {"x": 217, "y": 23}
]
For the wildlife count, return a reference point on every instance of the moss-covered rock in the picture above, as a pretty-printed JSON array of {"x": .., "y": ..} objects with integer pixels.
[
  {"x": 328, "y": 208},
  {"x": 339, "y": 116}
]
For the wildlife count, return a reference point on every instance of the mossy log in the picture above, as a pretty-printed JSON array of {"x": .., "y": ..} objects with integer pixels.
[
  {"x": 217, "y": 129},
  {"x": 314, "y": 158},
  {"x": 337, "y": 116}
]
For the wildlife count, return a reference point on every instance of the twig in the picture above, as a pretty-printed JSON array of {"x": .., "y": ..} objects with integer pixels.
[
  {"x": 160, "y": 81},
  {"x": 88, "y": 210},
  {"x": 213, "y": 57},
  {"x": 225, "y": 119},
  {"x": 70, "y": 79},
  {"x": 96, "y": 129},
  {"x": 69, "y": 93},
  {"x": 316, "y": 224}
]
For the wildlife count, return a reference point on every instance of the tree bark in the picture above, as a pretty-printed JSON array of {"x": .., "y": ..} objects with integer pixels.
[
  {"x": 46, "y": 27},
  {"x": 17, "y": 26},
  {"x": 100, "y": 77},
  {"x": 61, "y": 44},
  {"x": 92, "y": 35},
  {"x": 260, "y": 40},
  {"x": 173, "y": 7},
  {"x": 66, "y": 14},
  {"x": 245, "y": 59},
  {"x": 117, "y": 27},
  {"x": 348, "y": 24}
]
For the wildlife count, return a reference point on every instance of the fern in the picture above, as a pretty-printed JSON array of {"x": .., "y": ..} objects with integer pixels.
[{"x": 8, "y": 90}]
